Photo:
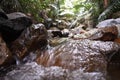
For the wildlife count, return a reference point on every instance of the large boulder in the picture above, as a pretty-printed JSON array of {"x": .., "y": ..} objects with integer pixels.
[
  {"x": 32, "y": 39},
  {"x": 91, "y": 56},
  {"x": 5, "y": 54},
  {"x": 12, "y": 27},
  {"x": 3, "y": 16},
  {"x": 33, "y": 71},
  {"x": 107, "y": 30},
  {"x": 6, "y": 58},
  {"x": 110, "y": 23},
  {"x": 104, "y": 33}
]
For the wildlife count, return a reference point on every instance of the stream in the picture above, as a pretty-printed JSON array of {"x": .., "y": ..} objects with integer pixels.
[
  {"x": 71, "y": 60},
  {"x": 77, "y": 54}
]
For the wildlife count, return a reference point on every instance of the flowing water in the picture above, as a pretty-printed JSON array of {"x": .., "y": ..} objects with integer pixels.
[{"x": 73, "y": 60}]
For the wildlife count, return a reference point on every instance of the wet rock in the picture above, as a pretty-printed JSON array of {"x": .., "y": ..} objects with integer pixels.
[
  {"x": 14, "y": 25},
  {"x": 52, "y": 29},
  {"x": 80, "y": 75},
  {"x": 109, "y": 30},
  {"x": 108, "y": 22},
  {"x": 6, "y": 58},
  {"x": 79, "y": 32},
  {"x": 2, "y": 15},
  {"x": 91, "y": 56},
  {"x": 117, "y": 40},
  {"x": 5, "y": 54},
  {"x": 62, "y": 24},
  {"x": 33, "y": 39},
  {"x": 32, "y": 71},
  {"x": 85, "y": 34},
  {"x": 65, "y": 32},
  {"x": 57, "y": 41},
  {"x": 58, "y": 33},
  {"x": 111, "y": 23},
  {"x": 105, "y": 34}
]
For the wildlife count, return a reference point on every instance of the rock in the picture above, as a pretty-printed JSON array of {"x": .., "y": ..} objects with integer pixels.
[
  {"x": 6, "y": 58},
  {"x": 14, "y": 25},
  {"x": 77, "y": 32},
  {"x": 65, "y": 32},
  {"x": 58, "y": 33},
  {"x": 54, "y": 29},
  {"x": 32, "y": 71},
  {"x": 108, "y": 22},
  {"x": 62, "y": 24},
  {"x": 2, "y": 15},
  {"x": 85, "y": 34},
  {"x": 109, "y": 30},
  {"x": 5, "y": 54},
  {"x": 85, "y": 54},
  {"x": 57, "y": 41},
  {"x": 33, "y": 39},
  {"x": 117, "y": 40},
  {"x": 104, "y": 34},
  {"x": 48, "y": 23},
  {"x": 50, "y": 34},
  {"x": 15, "y": 15}
]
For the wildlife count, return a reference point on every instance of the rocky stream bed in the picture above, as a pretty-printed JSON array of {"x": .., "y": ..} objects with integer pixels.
[{"x": 31, "y": 52}]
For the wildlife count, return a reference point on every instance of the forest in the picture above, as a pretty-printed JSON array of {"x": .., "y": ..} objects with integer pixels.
[
  {"x": 64, "y": 9},
  {"x": 59, "y": 39}
]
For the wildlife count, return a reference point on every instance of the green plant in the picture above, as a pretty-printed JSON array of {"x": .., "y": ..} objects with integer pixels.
[
  {"x": 27, "y": 6},
  {"x": 113, "y": 7}
]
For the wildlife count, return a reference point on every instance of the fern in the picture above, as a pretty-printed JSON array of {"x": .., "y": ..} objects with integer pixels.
[{"x": 109, "y": 11}]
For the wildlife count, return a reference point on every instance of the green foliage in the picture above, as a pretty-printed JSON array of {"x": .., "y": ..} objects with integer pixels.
[
  {"x": 54, "y": 8},
  {"x": 10, "y": 5},
  {"x": 77, "y": 8},
  {"x": 32, "y": 7},
  {"x": 35, "y": 6},
  {"x": 114, "y": 6}
]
